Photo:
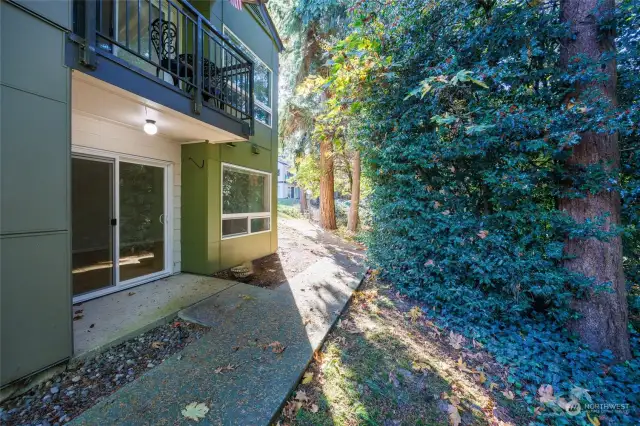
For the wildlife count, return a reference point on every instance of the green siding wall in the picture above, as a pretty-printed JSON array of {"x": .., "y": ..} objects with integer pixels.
[
  {"x": 203, "y": 250},
  {"x": 35, "y": 293}
]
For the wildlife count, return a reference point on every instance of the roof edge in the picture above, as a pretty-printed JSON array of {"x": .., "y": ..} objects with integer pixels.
[{"x": 271, "y": 26}]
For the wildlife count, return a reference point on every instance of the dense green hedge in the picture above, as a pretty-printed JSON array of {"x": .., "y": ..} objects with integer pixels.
[{"x": 464, "y": 129}]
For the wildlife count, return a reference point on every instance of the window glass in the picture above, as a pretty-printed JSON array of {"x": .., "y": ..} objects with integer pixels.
[
  {"x": 245, "y": 201},
  {"x": 244, "y": 191},
  {"x": 260, "y": 224},
  {"x": 262, "y": 115},
  {"x": 232, "y": 227},
  {"x": 261, "y": 81}
]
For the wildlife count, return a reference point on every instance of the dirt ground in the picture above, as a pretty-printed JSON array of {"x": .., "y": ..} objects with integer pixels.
[{"x": 300, "y": 244}]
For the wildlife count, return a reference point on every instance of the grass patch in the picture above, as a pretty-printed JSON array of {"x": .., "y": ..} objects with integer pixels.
[
  {"x": 383, "y": 366},
  {"x": 290, "y": 211}
]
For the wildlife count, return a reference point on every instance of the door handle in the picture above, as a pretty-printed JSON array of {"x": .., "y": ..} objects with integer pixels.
[
  {"x": 114, "y": 222},
  {"x": 161, "y": 218}
]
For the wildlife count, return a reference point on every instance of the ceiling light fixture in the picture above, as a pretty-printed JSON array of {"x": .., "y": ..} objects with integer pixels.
[{"x": 150, "y": 127}]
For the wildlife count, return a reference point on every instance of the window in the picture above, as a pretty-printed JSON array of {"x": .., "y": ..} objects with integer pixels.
[
  {"x": 262, "y": 80},
  {"x": 246, "y": 201}
]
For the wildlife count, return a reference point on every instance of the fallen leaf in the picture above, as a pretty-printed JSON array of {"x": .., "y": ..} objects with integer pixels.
[
  {"x": 78, "y": 317},
  {"x": 79, "y": 311},
  {"x": 595, "y": 421},
  {"x": 131, "y": 293},
  {"x": 454, "y": 415},
  {"x": 581, "y": 393},
  {"x": 195, "y": 411},
  {"x": 415, "y": 314},
  {"x": 482, "y": 378},
  {"x": 314, "y": 408},
  {"x": 276, "y": 347},
  {"x": 492, "y": 386},
  {"x": 224, "y": 369},
  {"x": 546, "y": 394},
  {"x": 236, "y": 348},
  {"x": 308, "y": 378},
  {"x": 462, "y": 366},
  {"x": 291, "y": 409},
  {"x": 157, "y": 345},
  {"x": 246, "y": 297},
  {"x": 301, "y": 396},
  {"x": 455, "y": 340},
  {"x": 508, "y": 394},
  {"x": 483, "y": 234}
]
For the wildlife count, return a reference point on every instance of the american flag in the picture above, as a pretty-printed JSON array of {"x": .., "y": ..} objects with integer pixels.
[{"x": 236, "y": 3}]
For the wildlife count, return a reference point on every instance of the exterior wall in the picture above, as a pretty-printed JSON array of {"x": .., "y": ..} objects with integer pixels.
[
  {"x": 96, "y": 133},
  {"x": 204, "y": 251},
  {"x": 35, "y": 268}
]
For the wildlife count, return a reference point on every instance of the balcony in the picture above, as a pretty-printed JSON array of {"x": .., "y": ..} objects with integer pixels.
[{"x": 167, "y": 52}]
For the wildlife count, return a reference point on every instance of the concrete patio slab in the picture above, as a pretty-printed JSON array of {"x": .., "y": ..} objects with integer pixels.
[
  {"x": 244, "y": 321},
  {"x": 111, "y": 319}
]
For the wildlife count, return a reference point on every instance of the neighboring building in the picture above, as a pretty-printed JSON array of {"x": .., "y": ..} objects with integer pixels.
[
  {"x": 286, "y": 189},
  {"x": 84, "y": 188}
]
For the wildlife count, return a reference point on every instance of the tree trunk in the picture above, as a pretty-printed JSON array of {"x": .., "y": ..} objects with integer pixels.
[
  {"x": 352, "y": 223},
  {"x": 604, "y": 315},
  {"x": 327, "y": 203},
  {"x": 303, "y": 200}
]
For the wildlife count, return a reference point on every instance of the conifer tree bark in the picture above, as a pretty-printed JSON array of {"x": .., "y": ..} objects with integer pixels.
[
  {"x": 604, "y": 315},
  {"x": 327, "y": 203},
  {"x": 352, "y": 221},
  {"x": 303, "y": 200}
]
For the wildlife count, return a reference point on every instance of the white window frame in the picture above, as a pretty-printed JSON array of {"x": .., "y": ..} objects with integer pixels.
[
  {"x": 255, "y": 58},
  {"x": 248, "y": 216}
]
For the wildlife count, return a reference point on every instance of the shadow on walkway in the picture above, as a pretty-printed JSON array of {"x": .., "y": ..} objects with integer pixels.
[{"x": 238, "y": 369}]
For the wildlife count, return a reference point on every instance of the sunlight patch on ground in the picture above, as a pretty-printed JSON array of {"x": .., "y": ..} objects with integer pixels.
[{"x": 383, "y": 364}]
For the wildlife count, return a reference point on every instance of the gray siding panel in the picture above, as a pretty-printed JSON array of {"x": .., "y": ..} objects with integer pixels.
[
  {"x": 35, "y": 268},
  {"x": 56, "y": 11},
  {"x": 35, "y": 309},
  {"x": 31, "y": 58},
  {"x": 34, "y": 160}
]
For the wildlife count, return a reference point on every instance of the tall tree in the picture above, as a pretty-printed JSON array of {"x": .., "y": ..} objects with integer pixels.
[
  {"x": 327, "y": 203},
  {"x": 352, "y": 221},
  {"x": 604, "y": 314}
]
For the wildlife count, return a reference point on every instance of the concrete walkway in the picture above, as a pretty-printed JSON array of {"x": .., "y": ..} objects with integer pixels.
[
  {"x": 111, "y": 319},
  {"x": 244, "y": 320}
]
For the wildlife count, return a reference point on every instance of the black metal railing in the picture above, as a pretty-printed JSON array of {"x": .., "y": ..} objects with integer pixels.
[{"x": 172, "y": 42}]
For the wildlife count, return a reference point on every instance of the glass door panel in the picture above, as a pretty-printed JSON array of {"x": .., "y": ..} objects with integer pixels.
[
  {"x": 92, "y": 226},
  {"x": 142, "y": 220}
]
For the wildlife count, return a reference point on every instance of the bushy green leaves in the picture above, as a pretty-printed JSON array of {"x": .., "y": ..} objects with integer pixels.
[{"x": 466, "y": 121}]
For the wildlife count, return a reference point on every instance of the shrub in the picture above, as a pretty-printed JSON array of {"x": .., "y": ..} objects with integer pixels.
[{"x": 465, "y": 122}]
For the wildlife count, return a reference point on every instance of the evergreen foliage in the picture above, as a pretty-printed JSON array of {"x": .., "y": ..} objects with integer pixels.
[{"x": 465, "y": 121}]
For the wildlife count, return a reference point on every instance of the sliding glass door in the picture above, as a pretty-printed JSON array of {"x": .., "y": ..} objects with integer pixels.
[
  {"x": 119, "y": 209},
  {"x": 142, "y": 229},
  {"x": 93, "y": 217}
]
